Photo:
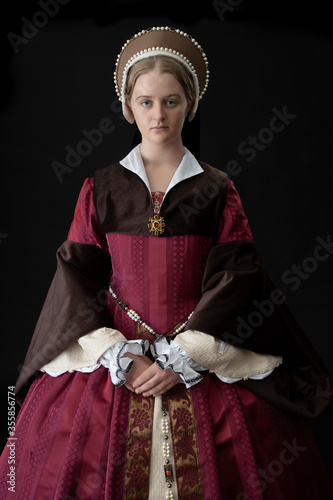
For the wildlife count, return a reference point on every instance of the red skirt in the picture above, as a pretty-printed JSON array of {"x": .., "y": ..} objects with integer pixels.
[{"x": 78, "y": 436}]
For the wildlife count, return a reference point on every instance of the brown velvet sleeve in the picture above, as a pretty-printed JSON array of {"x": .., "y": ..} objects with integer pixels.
[
  {"x": 232, "y": 281},
  {"x": 241, "y": 306},
  {"x": 75, "y": 305}
]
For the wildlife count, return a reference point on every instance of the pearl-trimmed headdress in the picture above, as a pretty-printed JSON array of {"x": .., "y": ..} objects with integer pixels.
[{"x": 162, "y": 41}]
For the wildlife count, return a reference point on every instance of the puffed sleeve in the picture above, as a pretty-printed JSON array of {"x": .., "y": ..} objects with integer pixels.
[{"x": 84, "y": 228}]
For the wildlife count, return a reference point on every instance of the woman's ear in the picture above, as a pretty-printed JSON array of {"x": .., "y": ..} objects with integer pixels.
[
  {"x": 192, "y": 109},
  {"x": 127, "y": 111},
  {"x": 189, "y": 106},
  {"x": 188, "y": 110}
]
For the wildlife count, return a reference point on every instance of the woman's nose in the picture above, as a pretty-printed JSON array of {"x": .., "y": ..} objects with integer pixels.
[{"x": 159, "y": 112}]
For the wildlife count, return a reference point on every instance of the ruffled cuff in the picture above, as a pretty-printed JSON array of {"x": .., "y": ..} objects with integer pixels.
[
  {"x": 117, "y": 365},
  {"x": 173, "y": 356},
  {"x": 229, "y": 363},
  {"x": 228, "y": 380},
  {"x": 83, "y": 354}
]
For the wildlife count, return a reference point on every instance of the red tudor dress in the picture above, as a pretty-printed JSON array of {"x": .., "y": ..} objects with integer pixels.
[{"x": 80, "y": 437}]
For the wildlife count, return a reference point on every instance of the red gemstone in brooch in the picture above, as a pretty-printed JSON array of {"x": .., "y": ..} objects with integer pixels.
[{"x": 156, "y": 225}]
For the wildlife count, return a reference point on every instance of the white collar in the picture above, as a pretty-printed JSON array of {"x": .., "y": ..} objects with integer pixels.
[{"x": 187, "y": 168}]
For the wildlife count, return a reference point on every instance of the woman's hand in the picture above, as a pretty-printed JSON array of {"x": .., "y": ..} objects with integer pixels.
[
  {"x": 154, "y": 381},
  {"x": 141, "y": 363}
]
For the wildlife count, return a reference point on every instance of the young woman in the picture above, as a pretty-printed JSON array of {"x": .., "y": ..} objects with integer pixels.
[{"x": 188, "y": 378}]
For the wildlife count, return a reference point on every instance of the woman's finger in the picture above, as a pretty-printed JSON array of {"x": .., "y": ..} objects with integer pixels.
[{"x": 155, "y": 381}]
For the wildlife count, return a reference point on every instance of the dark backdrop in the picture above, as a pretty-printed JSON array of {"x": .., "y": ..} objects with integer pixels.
[{"x": 58, "y": 81}]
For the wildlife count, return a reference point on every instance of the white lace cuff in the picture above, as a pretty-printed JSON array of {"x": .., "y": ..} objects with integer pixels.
[
  {"x": 173, "y": 356},
  {"x": 229, "y": 363},
  {"x": 113, "y": 361},
  {"x": 83, "y": 354},
  {"x": 116, "y": 364},
  {"x": 227, "y": 380}
]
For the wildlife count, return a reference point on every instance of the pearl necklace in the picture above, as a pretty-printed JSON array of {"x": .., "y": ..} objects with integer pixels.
[{"x": 136, "y": 318}]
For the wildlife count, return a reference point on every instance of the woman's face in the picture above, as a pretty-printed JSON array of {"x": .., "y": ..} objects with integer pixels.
[{"x": 159, "y": 106}]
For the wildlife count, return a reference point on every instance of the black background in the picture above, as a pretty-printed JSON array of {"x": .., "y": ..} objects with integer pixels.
[{"x": 262, "y": 56}]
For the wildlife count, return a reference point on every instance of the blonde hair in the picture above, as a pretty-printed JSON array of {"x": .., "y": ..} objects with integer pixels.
[{"x": 161, "y": 64}]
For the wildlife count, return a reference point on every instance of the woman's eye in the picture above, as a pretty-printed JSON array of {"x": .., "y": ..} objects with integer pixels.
[{"x": 169, "y": 103}]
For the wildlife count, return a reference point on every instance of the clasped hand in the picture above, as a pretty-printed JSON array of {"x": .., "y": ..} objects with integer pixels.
[{"x": 147, "y": 378}]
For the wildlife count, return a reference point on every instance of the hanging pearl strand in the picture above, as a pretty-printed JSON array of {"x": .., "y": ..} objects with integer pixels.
[
  {"x": 168, "y": 469},
  {"x": 136, "y": 318}
]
